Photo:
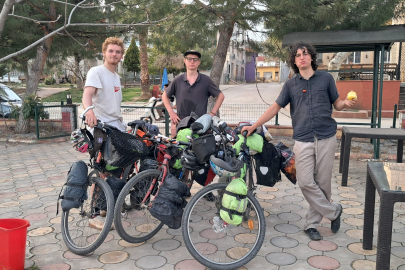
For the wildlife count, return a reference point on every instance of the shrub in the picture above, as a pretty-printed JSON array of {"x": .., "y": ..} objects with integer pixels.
[{"x": 50, "y": 81}]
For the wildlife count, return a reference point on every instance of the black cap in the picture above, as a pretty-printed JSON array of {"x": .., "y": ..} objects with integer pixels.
[{"x": 192, "y": 52}]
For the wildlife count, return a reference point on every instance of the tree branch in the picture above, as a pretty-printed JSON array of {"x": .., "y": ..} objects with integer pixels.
[
  {"x": 148, "y": 23},
  {"x": 40, "y": 10},
  {"x": 35, "y": 21}
]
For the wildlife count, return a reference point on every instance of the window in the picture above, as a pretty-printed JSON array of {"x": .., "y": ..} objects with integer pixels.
[
  {"x": 268, "y": 75},
  {"x": 242, "y": 72},
  {"x": 354, "y": 58},
  {"x": 319, "y": 59},
  {"x": 237, "y": 70},
  {"x": 386, "y": 57},
  {"x": 248, "y": 58},
  {"x": 257, "y": 74}
]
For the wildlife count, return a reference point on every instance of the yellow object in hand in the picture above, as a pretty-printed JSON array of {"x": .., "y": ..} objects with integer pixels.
[{"x": 351, "y": 95}]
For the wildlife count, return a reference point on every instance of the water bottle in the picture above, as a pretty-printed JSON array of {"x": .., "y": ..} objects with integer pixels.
[{"x": 218, "y": 224}]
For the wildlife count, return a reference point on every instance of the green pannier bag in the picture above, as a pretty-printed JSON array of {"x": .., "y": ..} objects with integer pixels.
[
  {"x": 254, "y": 142},
  {"x": 234, "y": 202},
  {"x": 182, "y": 137}
]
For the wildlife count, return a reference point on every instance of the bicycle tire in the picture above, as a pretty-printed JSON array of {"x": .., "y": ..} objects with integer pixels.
[
  {"x": 228, "y": 249},
  {"x": 137, "y": 225},
  {"x": 77, "y": 232}
]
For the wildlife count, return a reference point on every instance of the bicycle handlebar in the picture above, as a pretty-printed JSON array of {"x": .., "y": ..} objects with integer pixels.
[{"x": 82, "y": 116}]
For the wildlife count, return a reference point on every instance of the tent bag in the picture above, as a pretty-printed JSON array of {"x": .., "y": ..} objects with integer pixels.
[
  {"x": 75, "y": 192},
  {"x": 234, "y": 202},
  {"x": 254, "y": 142}
]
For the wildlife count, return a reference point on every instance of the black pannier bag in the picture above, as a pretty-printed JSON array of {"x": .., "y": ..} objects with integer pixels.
[
  {"x": 122, "y": 149},
  {"x": 169, "y": 203},
  {"x": 148, "y": 164},
  {"x": 287, "y": 162},
  {"x": 268, "y": 165},
  {"x": 203, "y": 147},
  {"x": 116, "y": 186},
  {"x": 75, "y": 192},
  {"x": 204, "y": 175}
]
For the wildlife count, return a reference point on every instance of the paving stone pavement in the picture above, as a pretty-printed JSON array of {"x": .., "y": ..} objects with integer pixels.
[{"x": 31, "y": 176}]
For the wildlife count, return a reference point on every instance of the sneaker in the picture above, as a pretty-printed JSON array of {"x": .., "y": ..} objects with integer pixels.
[
  {"x": 98, "y": 223},
  {"x": 335, "y": 224},
  {"x": 209, "y": 197},
  {"x": 313, "y": 234}
]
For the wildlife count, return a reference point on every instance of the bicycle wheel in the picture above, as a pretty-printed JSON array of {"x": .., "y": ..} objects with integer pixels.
[
  {"x": 136, "y": 224},
  {"x": 78, "y": 233},
  {"x": 219, "y": 246}
]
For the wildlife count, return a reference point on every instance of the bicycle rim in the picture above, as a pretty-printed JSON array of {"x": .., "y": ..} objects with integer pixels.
[
  {"x": 230, "y": 247},
  {"x": 134, "y": 223},
  {"x": 78, "y": 230}
]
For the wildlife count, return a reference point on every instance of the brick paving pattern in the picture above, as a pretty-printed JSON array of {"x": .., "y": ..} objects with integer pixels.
[{"x": 31, "y": 176}]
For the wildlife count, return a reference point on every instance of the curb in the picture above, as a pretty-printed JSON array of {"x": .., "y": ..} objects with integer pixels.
[{"x": 54, "y": 140}]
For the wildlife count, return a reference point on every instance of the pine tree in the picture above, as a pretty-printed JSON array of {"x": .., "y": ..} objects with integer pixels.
[{"x": 131, "y": 60}]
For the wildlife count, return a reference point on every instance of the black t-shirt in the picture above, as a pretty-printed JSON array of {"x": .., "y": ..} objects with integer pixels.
[
  {"x": 192, "y": 98},
  {"x": 310, "y": 105}
]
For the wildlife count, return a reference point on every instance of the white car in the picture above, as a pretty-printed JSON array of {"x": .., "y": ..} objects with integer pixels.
[{"x": 8, "y": 97}]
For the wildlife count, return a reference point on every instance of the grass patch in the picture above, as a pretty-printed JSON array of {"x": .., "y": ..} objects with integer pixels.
[
  {"x": 130, "y": 93},
  {"x": 61, "y": 85},
  {"x": 127, "y": 95}
]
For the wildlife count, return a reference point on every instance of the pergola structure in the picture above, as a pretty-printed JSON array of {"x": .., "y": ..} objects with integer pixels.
[{"x": 378, "y": 40}]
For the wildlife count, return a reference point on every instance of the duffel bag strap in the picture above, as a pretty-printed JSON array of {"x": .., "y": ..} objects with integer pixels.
[{"x": 239, "y": 197}]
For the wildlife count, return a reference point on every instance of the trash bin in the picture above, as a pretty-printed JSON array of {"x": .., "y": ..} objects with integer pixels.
[{"x": 13, "y": 235}]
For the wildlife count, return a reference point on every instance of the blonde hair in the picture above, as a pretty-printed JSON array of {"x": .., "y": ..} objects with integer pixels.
[{"x": 114, "y": 41}]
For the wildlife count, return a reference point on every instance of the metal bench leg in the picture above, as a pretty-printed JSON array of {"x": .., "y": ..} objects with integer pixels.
[
  {"x": 369, "y": 206},
  {"x": 400, "y": 151},
  {"x": 384, "y": 232},
  {"x": 346, "y": 158}
]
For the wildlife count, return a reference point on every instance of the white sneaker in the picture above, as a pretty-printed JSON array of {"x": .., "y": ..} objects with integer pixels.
[{"x": 98, "y": 223}]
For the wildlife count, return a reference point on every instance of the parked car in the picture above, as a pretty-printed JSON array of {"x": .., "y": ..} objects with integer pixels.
[{"x": 8, "y": 97}]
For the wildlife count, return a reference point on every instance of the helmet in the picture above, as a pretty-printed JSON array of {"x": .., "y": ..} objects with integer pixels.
[
  {"x": 78, "y": 141},
  {"x": 205, "y": 120},
  {"x": 189, "y": 160},
  {"x": 227, "y": 167}
]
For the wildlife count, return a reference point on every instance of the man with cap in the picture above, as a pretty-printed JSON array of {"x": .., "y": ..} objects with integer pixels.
[{"x": 191, "y": 90}]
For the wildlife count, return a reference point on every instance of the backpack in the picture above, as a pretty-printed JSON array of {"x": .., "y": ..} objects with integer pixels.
[
  {"x": 268, "y": 165},
  {"x": 75, "y": 192},
  {"x": 234, "y": 202},
  {"x": 287, "y": 162}
]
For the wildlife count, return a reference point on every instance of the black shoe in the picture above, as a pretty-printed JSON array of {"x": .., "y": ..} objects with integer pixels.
[
  {"x": 313, "y": 234},
  {"x": 209, "y": 197},
  {"x": 335, "y": 225}
]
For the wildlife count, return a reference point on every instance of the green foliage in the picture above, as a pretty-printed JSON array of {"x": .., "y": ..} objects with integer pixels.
[
  {"x": 131, "y": 60},
  {"x": 50, "y": 81},
  {"x": 130, "y": 93},
  {"x": 28, "y": 108},
  {"x": 3, "y": 70}
]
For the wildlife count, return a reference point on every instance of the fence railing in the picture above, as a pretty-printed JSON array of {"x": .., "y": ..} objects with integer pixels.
[
  {"x": 59, "y": 121},
  {"x": 63, "y": 119}
]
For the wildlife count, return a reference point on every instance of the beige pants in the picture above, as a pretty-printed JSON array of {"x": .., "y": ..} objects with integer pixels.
[{"x": 314, "y": 163}]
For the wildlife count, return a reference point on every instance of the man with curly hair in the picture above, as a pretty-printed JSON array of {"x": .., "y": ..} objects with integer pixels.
[
  {"x": 103, "y": 87},
  {"x": 311, "y": 94}
]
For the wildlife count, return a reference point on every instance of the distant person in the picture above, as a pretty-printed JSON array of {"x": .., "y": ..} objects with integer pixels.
[
  {"x": 191, "y": 90},
  {"x": 311, "y": 95},
  {"x": 160, "y": 111},
  {"x": 103, "y": 87}
]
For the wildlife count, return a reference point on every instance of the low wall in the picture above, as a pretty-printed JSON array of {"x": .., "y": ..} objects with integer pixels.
[{"x": 364, "y": 90}]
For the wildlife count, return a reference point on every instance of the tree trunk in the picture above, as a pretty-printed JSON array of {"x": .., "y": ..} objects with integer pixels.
[
  {"x": 336, "y": 62},
  {"x": 4, "y": 13},
  {"x": 37, "y": 67},
  {"x": 79, "y": 77},
  {"x": 143, "y": 52},
  {"x": 225, "y": 34}
]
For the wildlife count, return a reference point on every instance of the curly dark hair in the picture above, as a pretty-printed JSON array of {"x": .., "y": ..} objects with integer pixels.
[{"x": 293, "y": 51}]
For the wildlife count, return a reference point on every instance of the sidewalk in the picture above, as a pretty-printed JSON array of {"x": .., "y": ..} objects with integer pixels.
[{"x": 31, "y": 176}]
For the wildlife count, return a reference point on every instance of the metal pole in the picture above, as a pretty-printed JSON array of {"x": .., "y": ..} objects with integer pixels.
[
  {"x": 277, "y": 124},
  {"x": 375, "y": 86},
  {"x": 395, "y": 116},
  {"x": 377, "y": 146},
  {"x": 36, "y": 121},
  {"x": 166, "y": 123},
  {"x": 399, "y": 62}
]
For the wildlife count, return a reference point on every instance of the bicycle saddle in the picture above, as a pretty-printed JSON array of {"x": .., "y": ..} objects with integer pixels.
[{"x": 140, "y": 123}]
